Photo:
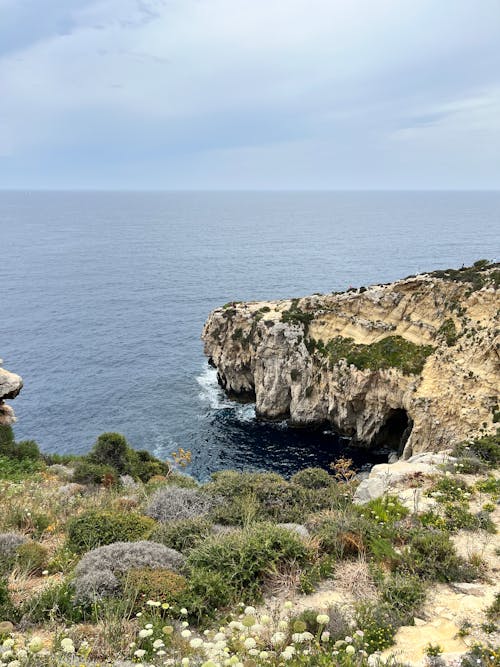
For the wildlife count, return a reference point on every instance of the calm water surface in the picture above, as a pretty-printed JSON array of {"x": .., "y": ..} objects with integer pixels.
[{"x": 104, "y": 295}]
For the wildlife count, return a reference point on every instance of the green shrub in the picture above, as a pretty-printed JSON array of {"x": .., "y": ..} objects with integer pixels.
[
  {"x": 26, "y": 450},
  {"x": 267, "y": 496},
  {"x": 490, "y": 485},
  {"x": 493, "y": 611},
  {"x": 160, "y": 585},
  {"x": 7, "y": 610},
  {"x": 144, "y": 465},
  {"x": 486, "y": 448},
  {"x": 384, "y": 510},
  {"x": 55, "y": 603},
  {"x": 379, "y": 624},
  {"x": 404, "y": 594},
  {"x": 31, "y": 557},
  {"x": 244, "y": 557},
  {"x": 448, "y": 332},
  {"x": 87, "y": 472},
  {"x": 207, "y": 591},
  {"x": 448, "y": 489},
  {"x": 432, "y": 555},
  {"x": 111, "y": 449},
  {"x": 15, "y": 470},
  {"x": 312, "y": 478},
  {"x": 95, "y": 528},
  {"x": 390, "y": 352},
  {"x": 182, "y": 535}
]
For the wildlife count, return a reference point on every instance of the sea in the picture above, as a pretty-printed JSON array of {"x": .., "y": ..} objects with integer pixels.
[{"x": 103, "y": 296}]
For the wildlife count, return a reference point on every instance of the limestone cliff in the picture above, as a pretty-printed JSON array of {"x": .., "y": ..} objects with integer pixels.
[
  {"x": 412, "y": 364},
  {"x": 10, "y": 386}
]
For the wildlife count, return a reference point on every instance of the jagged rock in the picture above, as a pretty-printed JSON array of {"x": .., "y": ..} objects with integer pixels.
[
  {"x": 10, "y": 386},
  {"x": 285, "y": 355}
]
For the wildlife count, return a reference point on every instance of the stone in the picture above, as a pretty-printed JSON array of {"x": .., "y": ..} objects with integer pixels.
[
  {"x": 295, "y": 528},
  {"x": 10, "y": 386}
]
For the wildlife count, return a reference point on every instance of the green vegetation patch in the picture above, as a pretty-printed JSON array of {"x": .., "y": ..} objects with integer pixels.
[
  {"x": 390, "y": 352},
  {"x": 95, "y": 528},
  {"x": 481, "y": 273}
]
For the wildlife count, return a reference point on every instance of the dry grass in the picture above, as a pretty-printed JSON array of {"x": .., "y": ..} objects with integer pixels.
[{"x": 354, "y": 578}]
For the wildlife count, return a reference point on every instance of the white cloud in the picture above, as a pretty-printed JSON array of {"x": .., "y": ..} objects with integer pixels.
[{"x": 335, "y": 73}]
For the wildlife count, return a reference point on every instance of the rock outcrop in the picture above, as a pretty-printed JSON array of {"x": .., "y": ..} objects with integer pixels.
[
  {"x": 10, "y": 386},
  {"x": 413, "y": 364}
]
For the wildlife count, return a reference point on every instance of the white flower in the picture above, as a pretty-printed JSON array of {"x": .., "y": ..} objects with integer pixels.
[
  {"x": 148, "y": 626},
  {"x": 14, "y": 663},
  {"x": 249, "y": 611},
  {"x": 67, "y": 645},
  {"x": 8, "y": 643},
  {"x": 153, "y": 603},
  {"x": 322, "y": 619},
  {"x": 158, "y": 643},
  {"x": 263, "y": 655},
  {"x": 288, "y": 605},
  {"x": 185, "y": 662},
  {"x": 145, "y": 633},
  {"x": 265, "y": 619},
  {"x": 350, "y": 649},
  {"x": 35, "y": 645},
  {"x": 184, "y": 611},
  {"x": 140, "y": 653},
  {"x": 278, "y": 638},
  {"x": 250, "y": 643},
  {"x": 196, "y": 642},
  {"x": 325, "y": 636},
  {"x": 185, "y": 624},
  {"x": 360, "y": 633},
  {"x": 186, "y": 634}
]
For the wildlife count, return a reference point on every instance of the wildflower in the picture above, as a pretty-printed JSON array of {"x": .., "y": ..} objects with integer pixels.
[
  {"x": 67, "y": 645},
  {"x": 45, "y": 573},
  {"x": 153, "y": 603},
  {"x": 35, "y": 645},
  {"x": 184, "y": 624},
  {"x": 288, "y": 605},
  {"x": 147, "y": 632},
  {"x": 184, "y": 611},
  {"x": 278, "y": 638},
  {"x": 249, "y": 611},
  {"x": 165, "y": 605},
  {"x": 325, "y": 636},
  {"x": 140, "y": 653},
  {"x": 158, "y": 643},
  {"x": 350, "y": 649},
  {"x": 167, "y": 629},
  {"x": 263, "y": 655},
  {"x": 248, "y": 621},
  {"x": 148, "y": 626},
  {"x": 196, "y": 642},
  {"x": 265, "y": 619},
  {"x": 185, "y": 662},
  {"x": 322, "y": 619},
  {"x": 15, "y": 663},
  {"x": 186, "y": 634},
  {"x": 250, "y": 643},
  {"x": 360, "y": 633}
]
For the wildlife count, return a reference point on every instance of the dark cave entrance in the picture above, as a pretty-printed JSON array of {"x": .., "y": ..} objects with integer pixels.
[{"x": 395, "y": 431}]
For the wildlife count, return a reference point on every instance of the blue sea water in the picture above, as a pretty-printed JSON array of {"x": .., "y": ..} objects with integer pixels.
[{"x": 104, "y": 295}]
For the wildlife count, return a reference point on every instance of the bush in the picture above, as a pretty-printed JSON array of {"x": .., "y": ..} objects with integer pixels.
[
  {"x": 9, "y": 542},
  {"x": 448, "y": 489},
  {"x": 55, "y": 603},
  {"x": 342, "y": 535},
  {"x": 268, "y": 497},
  {"x": 172, "y": 503},
  {"x": 95, "y": 528},
  {"x": 244, "y": 557},
  {"x": 206, "y": 593},
  {"x": 26, "y": 450},
  {"x": 312, "y": 478},
  {"x": 404, "y": 594},
  {"x": 160, "y": 585},
  {"x": 486, "y": 448},
  {"x": 379, "y": 624},
  {"x": 96, "y": 574},
  {"x": 183, "y": 534},
  {"x": 432, "y": 555},
  {"x": 7, "y": 609},
  {"x": 31, "y": 558},
  {"x": 87, "y": 472}
]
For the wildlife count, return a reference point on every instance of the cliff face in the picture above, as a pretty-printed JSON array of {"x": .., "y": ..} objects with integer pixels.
[
  {"x": 413, "y": 364},
  {"x": 10, "y": 386}
]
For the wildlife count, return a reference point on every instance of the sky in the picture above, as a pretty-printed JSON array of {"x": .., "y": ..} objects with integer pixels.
[{"x": 250, "y": 94}]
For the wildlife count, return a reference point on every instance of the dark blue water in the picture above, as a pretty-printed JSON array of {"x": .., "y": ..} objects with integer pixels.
[{"x": 104, "y": 295}]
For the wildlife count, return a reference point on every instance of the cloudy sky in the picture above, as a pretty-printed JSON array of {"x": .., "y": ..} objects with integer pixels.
[{"x": 278, "y": 94}]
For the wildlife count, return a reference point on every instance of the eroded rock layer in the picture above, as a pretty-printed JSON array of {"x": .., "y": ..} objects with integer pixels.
[
  {"x": 10, "y": 386},
  {"x": 412, "y": 364}
]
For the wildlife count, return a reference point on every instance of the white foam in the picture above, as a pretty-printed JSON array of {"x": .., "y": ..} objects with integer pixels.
[{"x": 212, "y": 394}]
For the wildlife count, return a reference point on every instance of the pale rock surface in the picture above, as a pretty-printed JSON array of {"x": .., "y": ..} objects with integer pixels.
[{"x": 10, "y": 386}]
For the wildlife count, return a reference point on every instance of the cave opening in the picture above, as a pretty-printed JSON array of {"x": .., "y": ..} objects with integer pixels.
[{"x": 395, "y": 431}]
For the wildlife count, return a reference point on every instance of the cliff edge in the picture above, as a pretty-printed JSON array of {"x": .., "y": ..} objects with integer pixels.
[
  {"x": 413, "y": 365},
  {"x": 10, "y": 386}
]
